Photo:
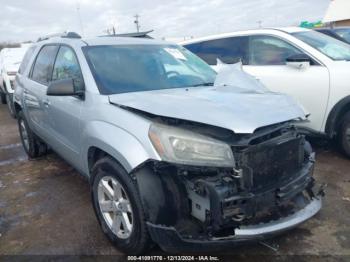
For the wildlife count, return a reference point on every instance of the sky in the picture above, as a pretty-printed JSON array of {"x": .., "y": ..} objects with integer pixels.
[{"x": 23, "y": 20}]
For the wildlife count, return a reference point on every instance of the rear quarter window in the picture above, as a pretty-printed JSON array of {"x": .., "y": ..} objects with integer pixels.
[
  {"x": 26, "y": 59},
  {"x": 43, "y": 65}
]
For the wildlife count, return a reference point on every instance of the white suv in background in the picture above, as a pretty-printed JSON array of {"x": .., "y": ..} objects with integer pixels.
[
  {"x": 312, "y": 67},
  {"x": 10, "y": 60}
]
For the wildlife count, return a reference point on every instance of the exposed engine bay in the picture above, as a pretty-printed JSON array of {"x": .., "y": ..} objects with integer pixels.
[
  {"x": 272, "y": 179},
  {"x": 267, "y": 175}
]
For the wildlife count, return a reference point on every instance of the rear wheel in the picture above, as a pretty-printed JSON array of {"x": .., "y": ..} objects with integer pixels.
[
  {"x": 33, "y": 146},
  {"x": 344, "y": 135},
  {"x": 2, "y": 97},
  {"x": 117, "y": 205},
  {"x": 10, "y": 105}
]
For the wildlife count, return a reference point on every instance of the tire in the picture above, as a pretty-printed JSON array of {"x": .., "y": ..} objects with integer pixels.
[
  {"x": 2, "y": 97},
  {"x": 106, "y": 172},
  {"x": 32, "y": 145},
  {"x": 10, "y": 106},
  {"x": 343, "y": 136}
]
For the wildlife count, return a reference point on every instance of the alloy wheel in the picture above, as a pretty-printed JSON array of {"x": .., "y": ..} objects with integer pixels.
[
  {"x": 115, "y": 207},
  {"x": 347, "y": 133}
]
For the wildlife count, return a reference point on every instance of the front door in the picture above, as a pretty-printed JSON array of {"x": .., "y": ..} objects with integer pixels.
[{"x": 64, "y": 111}]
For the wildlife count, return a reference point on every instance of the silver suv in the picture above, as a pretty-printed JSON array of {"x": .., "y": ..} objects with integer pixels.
[{"x": 171, "y": 158}]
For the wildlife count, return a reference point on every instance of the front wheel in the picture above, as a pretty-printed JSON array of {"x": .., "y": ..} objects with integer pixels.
[
  {"x": 33, "y": 146},
  {"x": 344, "y": 135},
  {"x": 118, "y": 207}
]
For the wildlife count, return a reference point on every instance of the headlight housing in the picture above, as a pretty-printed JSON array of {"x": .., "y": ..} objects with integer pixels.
[{"x": 181, "y": 146}]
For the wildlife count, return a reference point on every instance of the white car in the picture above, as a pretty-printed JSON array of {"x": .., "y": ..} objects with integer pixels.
[
  {"x": 312, "y": 67},
  {"x": 10, "y": 60}
]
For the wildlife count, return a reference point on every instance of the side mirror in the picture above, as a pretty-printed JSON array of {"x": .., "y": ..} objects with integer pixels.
[
  {"x": 63, "y": 87},
  {"x": 300, "y": 61}
]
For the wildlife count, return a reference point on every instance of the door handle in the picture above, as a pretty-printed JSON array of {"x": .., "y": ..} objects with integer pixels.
[{"x": 46, "y": 103}]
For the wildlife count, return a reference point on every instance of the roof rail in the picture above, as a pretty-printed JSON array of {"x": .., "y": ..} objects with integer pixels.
[
  {"x": 135, "y": 34},
  {"x": 63, "y": 35}
]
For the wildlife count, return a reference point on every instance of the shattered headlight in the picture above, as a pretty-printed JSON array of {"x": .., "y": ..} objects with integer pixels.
[{"x": 185, "y": 147}]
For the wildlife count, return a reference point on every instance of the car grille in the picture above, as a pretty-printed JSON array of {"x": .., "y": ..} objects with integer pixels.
[{"x": 272, "y": 162}]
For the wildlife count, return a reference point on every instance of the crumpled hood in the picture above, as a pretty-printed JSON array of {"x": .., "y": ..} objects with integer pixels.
[{"x": 234, "y": 108}]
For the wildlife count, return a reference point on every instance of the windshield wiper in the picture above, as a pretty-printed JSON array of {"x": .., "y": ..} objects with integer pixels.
[{"x": 203, "y": 84}]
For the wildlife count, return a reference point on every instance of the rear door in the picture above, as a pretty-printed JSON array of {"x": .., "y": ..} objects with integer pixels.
[
  {"x": 310, "y": 86},
  {"x": 64, "y": 123},
  {"x": 34, "y": 90}
]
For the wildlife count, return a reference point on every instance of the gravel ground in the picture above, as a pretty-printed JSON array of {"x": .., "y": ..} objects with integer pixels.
[{"x": 45, "y": 209}]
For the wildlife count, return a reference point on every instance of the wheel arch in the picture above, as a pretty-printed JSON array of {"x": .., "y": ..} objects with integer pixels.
[
  {"x": 17, "y": 107},
  {"x": 335, "y": 116},
  {"x": 95, "y": 153},
  {"x": 101, "y": 139},
  {"x": 98, "y": 151}
]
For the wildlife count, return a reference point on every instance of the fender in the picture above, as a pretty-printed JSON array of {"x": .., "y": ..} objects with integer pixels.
[
  {"x": 117, "y": 142},
  {"x": 335, "y": 116},
  {"x": 162, "y": 194},
  {"x": 18, "y": 93}
]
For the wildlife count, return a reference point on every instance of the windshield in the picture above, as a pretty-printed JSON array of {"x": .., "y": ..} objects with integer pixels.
[
  {"x": 133, "y": 68},
  {"x": 344, "y": 33},
  {"x": 331, "y": 47}
]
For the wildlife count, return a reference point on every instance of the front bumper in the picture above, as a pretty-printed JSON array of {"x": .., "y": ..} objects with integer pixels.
[{"x": 169, "y": 239}]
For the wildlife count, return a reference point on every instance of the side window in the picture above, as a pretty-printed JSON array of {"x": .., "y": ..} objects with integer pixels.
[
  {"x": 269, "y": 50},
  {"x": 67, "y": 66},
  {"x": 26, "y": 59},
  {"x": 43, "y": 64},
  {"x": 229, "y": 50},
  {"x": 194, "y": 48},
  {"x": 344, "y": 33}
]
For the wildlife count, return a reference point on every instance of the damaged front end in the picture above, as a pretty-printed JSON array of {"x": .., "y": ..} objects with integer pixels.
[{"x": 268, "y": 189}]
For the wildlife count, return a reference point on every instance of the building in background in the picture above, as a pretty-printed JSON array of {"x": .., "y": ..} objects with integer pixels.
[{"x": 338, "y": 13}]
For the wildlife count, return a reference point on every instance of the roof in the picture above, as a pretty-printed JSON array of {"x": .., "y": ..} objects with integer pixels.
[
  {"x": 123, "y": 41},
  {"x": 135, "y": 34},
  {"x": 292, "y": 29},
  {"x": 134, "y": 39},
  {"x": 246, "y": 32},
  {"x": 338, "y": 10},
  {"x": 72, "y": 38}
]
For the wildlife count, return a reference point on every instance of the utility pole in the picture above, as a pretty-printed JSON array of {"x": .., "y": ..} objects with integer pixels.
[
  {"x": 259, "y": 23},
  {"x": 137, "y": 22},
  {"x": 110, "y": 31}
]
